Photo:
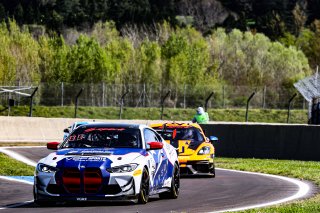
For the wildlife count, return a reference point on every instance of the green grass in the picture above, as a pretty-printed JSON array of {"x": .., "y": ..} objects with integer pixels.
[
  {"x": 255, "y": 115},
  {"x": 297, "y": 169},
  {"x": 11, "y": 167}
]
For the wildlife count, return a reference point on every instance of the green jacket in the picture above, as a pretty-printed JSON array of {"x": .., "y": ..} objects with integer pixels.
[{"x": 201, "y": 119}]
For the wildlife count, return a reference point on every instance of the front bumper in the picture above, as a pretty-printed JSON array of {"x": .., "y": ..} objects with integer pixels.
[
  {"x": 204, "y": 167},
  {"x": 115, "y": 187}
]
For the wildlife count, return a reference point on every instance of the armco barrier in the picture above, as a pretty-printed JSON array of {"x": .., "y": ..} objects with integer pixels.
[{"x": 275, "y": 141}]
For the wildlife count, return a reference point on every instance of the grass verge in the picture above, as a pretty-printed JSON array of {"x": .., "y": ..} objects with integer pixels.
[
  {"x": 11, "y": 167},
  {"x": 177, "y": 114},
  {"x": 297, "y": 169}
]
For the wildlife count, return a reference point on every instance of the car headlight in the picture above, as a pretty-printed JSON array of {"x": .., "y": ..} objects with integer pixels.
[
  {"x": 123, "y": 168},
  {"x": 204, "y": 150},
  {"x": 45, "y": 168}
]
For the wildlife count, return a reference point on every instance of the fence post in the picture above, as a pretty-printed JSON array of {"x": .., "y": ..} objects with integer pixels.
[
  {"x": 289, "y": 106},
  {"x": 121, "y": 103},
  {"x": 264, "y": 97},
  {"x": 19, "y": 98},
  {"x": 103, "y": 93},
  {"x": 162, "y": 103},
  {"x": 76, "y": 102},
  {"x": 247, "y": 109},
  {"x": 223, "y": 97},
  {"x": 207, "y": 100},
  {"x": 184, "y": 96},
  {"x": 31, "y": 101},
  {"x": 62, "y": 92}
]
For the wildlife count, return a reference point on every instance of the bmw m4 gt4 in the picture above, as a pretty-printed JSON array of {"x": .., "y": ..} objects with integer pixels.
[{"x": 101, "y": 162}]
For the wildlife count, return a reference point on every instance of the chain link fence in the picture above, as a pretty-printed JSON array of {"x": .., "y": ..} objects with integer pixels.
[{"x": 143, "y": 95}]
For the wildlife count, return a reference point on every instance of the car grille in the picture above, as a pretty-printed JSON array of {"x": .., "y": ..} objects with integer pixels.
[
  {"x": 71, "y": 180},
  {"x": 89, "y": 181},
  {"x": 92, "y": 180}
]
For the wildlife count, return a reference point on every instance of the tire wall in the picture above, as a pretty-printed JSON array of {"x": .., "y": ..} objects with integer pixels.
[{"x": 296, "y": 142}]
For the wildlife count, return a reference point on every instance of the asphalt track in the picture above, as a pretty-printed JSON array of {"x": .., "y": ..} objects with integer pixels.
[{"x": 229, "y": 190}]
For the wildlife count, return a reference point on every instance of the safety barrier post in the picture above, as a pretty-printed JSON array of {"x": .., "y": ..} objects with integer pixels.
[
  {"x": 162, "y": 103},
  {"x": 248, "y": 101},
  {"x": 207, "y": 100},
  {"x": 121, "y": 103},
  {"x": 31, "y": 101},
  {"x": 76, "y": 102},
  {"x": 289, "y": 106}
]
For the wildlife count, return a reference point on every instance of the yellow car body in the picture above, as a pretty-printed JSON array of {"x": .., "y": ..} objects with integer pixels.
[{"x": 195, "y": 151}]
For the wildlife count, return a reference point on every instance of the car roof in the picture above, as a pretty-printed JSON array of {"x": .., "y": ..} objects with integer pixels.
[
  {"x": 174, "y": 124},
  {"x": 115, "y": 125}
]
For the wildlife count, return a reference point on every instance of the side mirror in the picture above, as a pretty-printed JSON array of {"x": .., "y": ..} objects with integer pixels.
[
  {"x": 213, "y": 139},
  {"x": 53, "y": 145},
  {"x": 154, "y": 145},
  {"x": 66, "y": 130}
]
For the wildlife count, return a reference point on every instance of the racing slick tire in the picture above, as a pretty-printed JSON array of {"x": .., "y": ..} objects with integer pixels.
[
  {"x": 41, "y": 202},
  {"x": 175, "y": 186},
  {"x": 143, "y": 196},
  {"x": 212, "y": 171}
]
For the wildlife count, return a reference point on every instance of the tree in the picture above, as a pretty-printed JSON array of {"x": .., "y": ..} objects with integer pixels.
[
  {"x": 54, "y": 64},
  {"x": 2, "y": 12},
  {"x": 18, "y": 13},
  {"x": 87, "y": 61}
]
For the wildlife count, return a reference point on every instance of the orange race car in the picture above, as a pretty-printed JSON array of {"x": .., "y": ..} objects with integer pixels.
[{"x": 195, "y": 150}]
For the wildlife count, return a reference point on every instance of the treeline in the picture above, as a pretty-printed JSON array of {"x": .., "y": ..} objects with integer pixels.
[
  {"x": 58, "y": 14},
  {"x": 281, "y": 20},
  {"x": 161, "y": 55}
]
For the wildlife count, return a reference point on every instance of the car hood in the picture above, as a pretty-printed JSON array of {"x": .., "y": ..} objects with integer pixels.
[{"x": 105, "y": 158}]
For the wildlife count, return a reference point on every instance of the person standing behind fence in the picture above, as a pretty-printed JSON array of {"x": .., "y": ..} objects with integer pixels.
[{"x": 201, "y": 117}]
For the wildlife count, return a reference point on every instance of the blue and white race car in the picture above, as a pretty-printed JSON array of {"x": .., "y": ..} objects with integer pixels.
[{"x": 101, "y": 162}]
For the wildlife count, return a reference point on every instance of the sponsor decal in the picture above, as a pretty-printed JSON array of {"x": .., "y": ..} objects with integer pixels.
[
  {"x": 104, "y": 129},
  {"x": 86, "y": 158},
  {"x": 81, "y": 199}
]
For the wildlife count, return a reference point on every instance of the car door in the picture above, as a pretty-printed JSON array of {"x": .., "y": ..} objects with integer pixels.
[{"x": 160, "y": 160}]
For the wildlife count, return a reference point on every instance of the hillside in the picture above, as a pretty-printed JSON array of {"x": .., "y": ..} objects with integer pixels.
[{"x": 272, "y": 17}]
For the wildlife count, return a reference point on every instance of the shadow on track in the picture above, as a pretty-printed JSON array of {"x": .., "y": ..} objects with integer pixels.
[{"x": 77, "y": 204}]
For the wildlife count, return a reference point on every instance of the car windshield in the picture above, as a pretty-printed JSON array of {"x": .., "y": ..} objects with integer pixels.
[
  {"x": 188, "y": 133},
  {"x": 103, "y": 137}
]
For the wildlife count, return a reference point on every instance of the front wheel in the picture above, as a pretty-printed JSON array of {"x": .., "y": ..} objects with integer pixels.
[
  {"x": 40, "y": 202},
  {"x": 175, "y": 185},
  {"x": 143, "y": 196},
  {"x": 212, "y": 171}
]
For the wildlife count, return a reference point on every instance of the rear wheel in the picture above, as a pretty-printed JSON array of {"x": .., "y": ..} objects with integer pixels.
[
  {"x": 175, "y": 185},
  {"x": 143, "y": 196}
]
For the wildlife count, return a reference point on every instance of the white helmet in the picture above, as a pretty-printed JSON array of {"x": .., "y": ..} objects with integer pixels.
[{"x": 200, "y": 110}]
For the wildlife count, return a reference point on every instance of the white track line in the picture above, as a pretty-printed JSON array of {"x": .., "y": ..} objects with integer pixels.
[
  {"x": 20, "y": 181},
  {"x": 18, "y": 157},
  {"x": 16, "y": 180},
  {"x": 17, "y": 205},
  {"x": 304, "y": 189}
]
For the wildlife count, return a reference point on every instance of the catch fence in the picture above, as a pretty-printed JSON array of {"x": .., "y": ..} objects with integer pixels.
[{"x": 146, "y": 95}]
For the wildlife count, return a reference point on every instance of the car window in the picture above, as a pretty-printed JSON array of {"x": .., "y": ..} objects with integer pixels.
[
  {"x": 150, "y": 136},
  {"x": 100, "y": 137},
  {"x": 190, "y": 133}
]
